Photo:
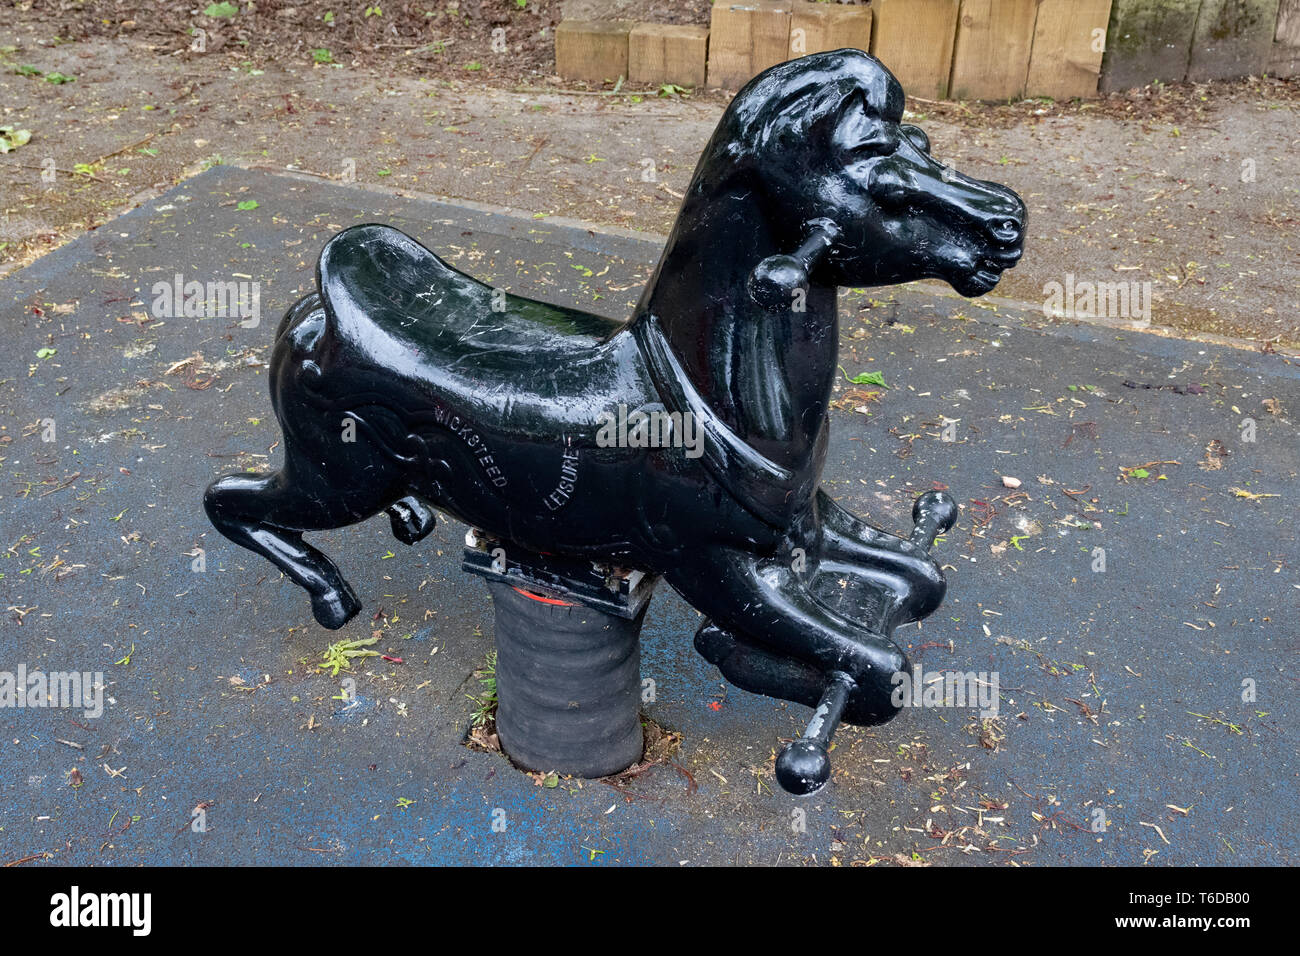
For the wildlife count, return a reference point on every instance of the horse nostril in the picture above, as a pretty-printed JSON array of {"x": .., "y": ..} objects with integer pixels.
[{"x": 1008, "y": 231}]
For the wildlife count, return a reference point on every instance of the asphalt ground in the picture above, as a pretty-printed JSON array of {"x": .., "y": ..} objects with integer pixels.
[{"x": 1146, "y": 691}]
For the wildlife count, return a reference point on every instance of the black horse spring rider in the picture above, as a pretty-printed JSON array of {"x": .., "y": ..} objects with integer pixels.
[{"x": 483, "y": 406}]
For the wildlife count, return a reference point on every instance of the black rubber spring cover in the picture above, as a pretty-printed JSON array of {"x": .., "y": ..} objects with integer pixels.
[{"x": 568, "y": 684}]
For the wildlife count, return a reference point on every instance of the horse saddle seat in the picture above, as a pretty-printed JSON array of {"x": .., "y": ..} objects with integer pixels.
[{"x": 377, "y": 277}]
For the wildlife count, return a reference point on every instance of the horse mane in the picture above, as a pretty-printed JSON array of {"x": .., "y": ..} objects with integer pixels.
[
  {"x": 775, "y": 132},
  {"x": 784, "y": 104}
]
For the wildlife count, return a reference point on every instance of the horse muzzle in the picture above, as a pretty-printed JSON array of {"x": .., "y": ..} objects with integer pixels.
[{"x": 986, "y": 219}]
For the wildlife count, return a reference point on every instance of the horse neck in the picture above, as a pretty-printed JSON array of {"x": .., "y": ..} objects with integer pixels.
[{"x": 768, "y": 376}]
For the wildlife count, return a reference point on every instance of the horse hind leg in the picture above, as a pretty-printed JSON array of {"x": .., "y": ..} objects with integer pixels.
[
  {"x": 267, "y": 514},
  {"x": 411, "y": 518},
  {"x": 771, "y": 603}
]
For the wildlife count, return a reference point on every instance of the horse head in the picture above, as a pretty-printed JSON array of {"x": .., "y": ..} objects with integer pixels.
[
  {"x": 822, "y": 138},
  {"x": 811, "y": 181}
]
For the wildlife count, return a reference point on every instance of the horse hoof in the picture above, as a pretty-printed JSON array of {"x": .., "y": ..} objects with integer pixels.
[
  {"x": 411, "y": 519},
  {"x": 803, "y": 768},
  {"x": 713, "y": 643},
  {"x": 335, "y": 607}
]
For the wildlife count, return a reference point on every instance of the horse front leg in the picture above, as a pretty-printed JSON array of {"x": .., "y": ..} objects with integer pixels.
[
  {"x": 747, "y": 663},
  {"x": 847, "y": 538},
  {"x": 766, "y": 615}
]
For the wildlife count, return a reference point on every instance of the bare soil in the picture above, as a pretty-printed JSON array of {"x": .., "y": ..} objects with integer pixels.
[{"x": 428, "y": 37}]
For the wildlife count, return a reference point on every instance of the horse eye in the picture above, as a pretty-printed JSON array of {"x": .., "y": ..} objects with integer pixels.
[
  {"x": 861, "y": 134},
  {"x": 879, "y": 145},
  {"x": 916, "y": 136}
]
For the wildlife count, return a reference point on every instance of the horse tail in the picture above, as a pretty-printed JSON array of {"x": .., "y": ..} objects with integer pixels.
[
  {"x": 300, "y": 368},
  {"x": 300, "y": 340}
]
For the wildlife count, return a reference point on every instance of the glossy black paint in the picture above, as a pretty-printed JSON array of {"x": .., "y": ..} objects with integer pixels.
[{"x": 403, "y": 384}]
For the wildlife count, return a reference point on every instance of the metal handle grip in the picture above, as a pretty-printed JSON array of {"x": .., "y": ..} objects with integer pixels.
[
  {"x": 773, "y": 281},
  {"x": 804, "y": 766},
  {"x": 934, "y": 513}
]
